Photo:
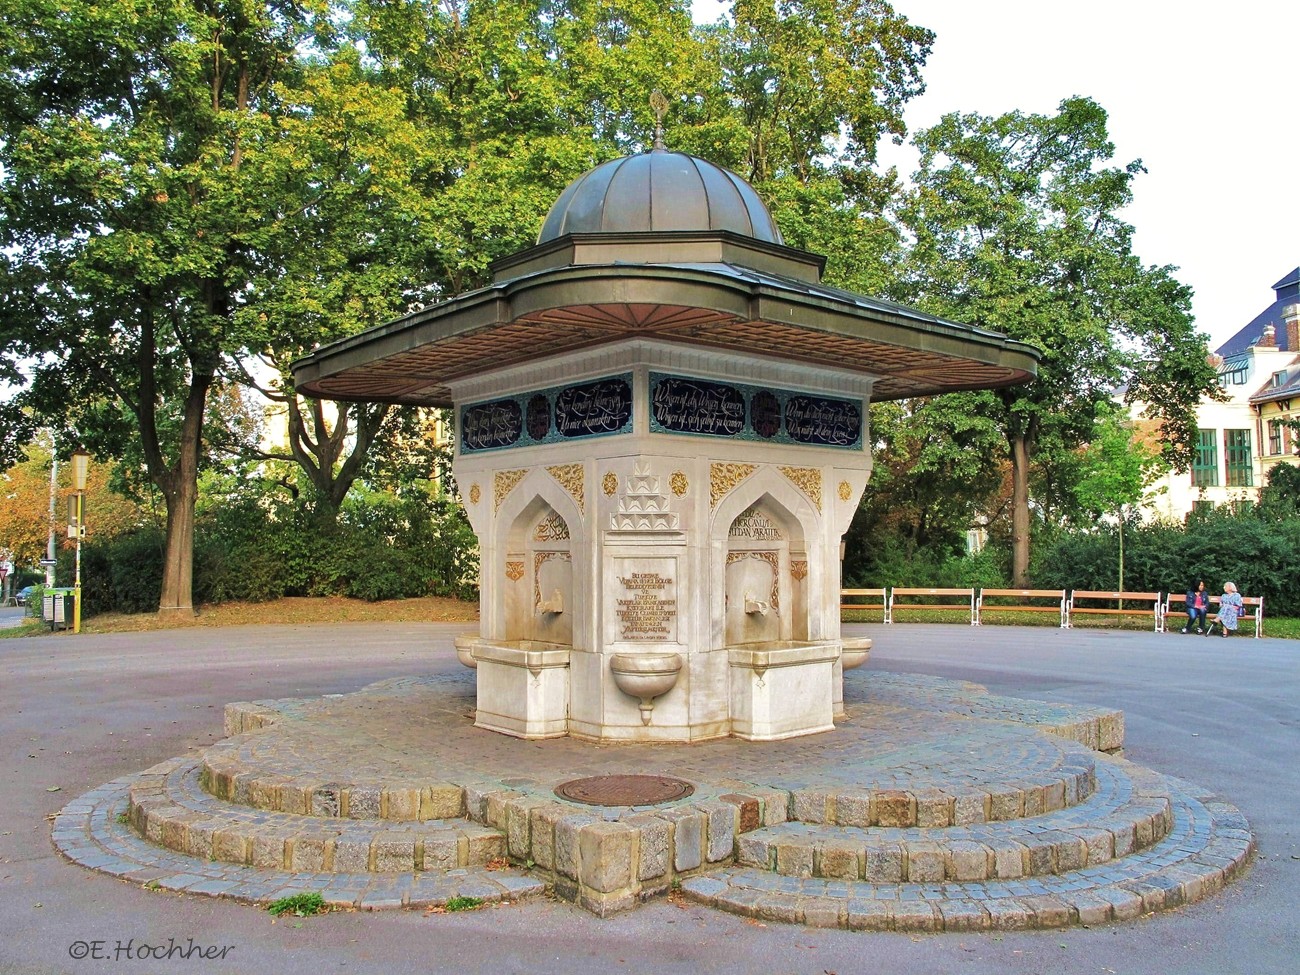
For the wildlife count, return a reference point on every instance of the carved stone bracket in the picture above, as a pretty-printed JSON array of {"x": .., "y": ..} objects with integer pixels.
[{"x": 643, "y": 507}]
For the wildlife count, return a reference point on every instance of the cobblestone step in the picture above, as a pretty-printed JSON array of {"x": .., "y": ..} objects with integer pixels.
[
  {"x": 166, "y": 806},
  {"x": 1209, "y": 844},
  {"x": 1130, "y": 810},
  {"x": 93, "y": 831}
]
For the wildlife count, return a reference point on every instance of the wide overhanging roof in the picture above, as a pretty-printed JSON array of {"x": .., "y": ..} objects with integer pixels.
[{"x": 723, "y": 291}]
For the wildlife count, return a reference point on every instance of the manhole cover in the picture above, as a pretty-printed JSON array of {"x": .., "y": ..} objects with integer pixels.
[{"x": 625, "y": 790}]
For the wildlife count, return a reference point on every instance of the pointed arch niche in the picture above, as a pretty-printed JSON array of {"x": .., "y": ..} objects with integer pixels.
[
  {"x": 539, "y": 596},
  {"x": 764, "y": 601}
]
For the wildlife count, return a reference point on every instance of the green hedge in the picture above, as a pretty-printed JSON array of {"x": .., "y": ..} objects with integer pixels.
[
  {"x": 1260, "y": 554},
  {"x": 251, "y": 548}
]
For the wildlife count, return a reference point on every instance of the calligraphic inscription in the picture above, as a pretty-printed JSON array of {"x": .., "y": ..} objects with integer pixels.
[
  {"x": 696, "y": 406},
  {"x": 753, "y": 523},
  {"x": 489, "y": 425},
  {"x": 644, "y": 612},
  {"x": 819, "y": 420},
  {"x": 604, "y": 406},
  {"x": 543, "y": 416},
  {"x": 552, "y": 528},
  {"x": 765, "y": 414},
  {"x": 539, "y": 417}
]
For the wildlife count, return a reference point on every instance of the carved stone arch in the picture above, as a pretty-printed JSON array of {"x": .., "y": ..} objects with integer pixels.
[
  {"x": 796, "y": 513},
  {"x": 538, "y": 486},
  {"x": 540, "y": 601}
]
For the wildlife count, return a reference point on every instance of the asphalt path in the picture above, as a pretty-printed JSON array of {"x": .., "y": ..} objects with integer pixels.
[{"x": 78, "y": 711}]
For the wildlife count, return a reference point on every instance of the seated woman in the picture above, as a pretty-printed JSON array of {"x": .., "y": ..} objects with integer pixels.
[
  {"x": 1198, "y": 605},
  {"x": 1229, "y": 609}
]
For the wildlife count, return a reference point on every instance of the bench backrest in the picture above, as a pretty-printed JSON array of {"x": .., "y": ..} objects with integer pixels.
[
  {"x": 1134, "y": 596},
  {"x": 1025, "y": 593},
  {"x": 904, "y": 591}
]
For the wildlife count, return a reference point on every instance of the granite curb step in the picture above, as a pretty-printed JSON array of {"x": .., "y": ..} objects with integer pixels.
[
  {"x": 1210, "y": 844},
  {"x": 224, "y": 776},
  {"x": 1127, "y": 814},
  {"x": 91, "y": 832},
  {"x": 167, "y": 807}
]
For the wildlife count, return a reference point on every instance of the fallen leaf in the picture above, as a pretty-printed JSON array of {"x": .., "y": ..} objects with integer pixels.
[{"x": 54, "y": 788}]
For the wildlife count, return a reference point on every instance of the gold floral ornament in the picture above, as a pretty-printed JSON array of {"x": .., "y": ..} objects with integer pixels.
[
  {"x": 679, "y": 484},
  {"x": 846, "y": 491},
  {"x": 609, "y": 484},
  {"x": 571, "y": 477},
  {"x": 808, "y": 480},
  {"x": 475, "y": 494},
  {"x": 723, "y": 479},
  {"x": 799, "y": 568},
  {"x": 514, "y": 571},
  {"x": 503, "y": 482}
]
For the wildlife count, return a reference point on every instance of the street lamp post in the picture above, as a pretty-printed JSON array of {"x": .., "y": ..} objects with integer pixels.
[{"x": 80, "y": 465}]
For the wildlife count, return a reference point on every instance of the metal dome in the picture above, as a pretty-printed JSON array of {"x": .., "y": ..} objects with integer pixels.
[{"x": 659, "y": 191}]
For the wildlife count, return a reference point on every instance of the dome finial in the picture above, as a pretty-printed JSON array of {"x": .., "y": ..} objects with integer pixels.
[{"x": 659, "y": 105}]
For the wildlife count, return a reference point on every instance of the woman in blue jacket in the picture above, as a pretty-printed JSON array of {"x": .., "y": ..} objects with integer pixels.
[{"x": 1198, "y": 605}]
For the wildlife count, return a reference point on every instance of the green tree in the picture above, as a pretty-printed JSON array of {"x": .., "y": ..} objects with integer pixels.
[
  {"x": 1016, "y": 227},
  {"x": 933, "y": 469},
  {"x": 1117, "y": 468},
  {"x": 227, "y": 180},
  {"x": 1280, "y": 498},
  {"x": 131, "y": 139}
]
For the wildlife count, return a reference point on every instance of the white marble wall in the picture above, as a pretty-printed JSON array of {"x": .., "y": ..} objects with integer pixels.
[{"x": 667, "y": 534}]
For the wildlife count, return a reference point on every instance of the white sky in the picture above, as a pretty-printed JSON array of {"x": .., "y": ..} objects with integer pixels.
[{"x": 1205, "y": 95}]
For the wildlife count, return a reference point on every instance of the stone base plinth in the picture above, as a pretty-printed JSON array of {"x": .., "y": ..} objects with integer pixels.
[
  {"x": 523, "y": 688},
  {"x": 782, "y": 689}
]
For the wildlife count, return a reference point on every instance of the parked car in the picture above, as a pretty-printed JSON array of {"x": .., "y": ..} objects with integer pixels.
[{"x": 24, "y": 594}]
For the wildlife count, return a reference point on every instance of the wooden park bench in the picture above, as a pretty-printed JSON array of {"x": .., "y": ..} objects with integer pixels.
[
  {"x": 946, "y": 595},
  {"x": 1048, "y": 601},
  {"x": 1176, "y": 604},
  {"x": 1149, "y": 603},
  {"x": 878, "y": 603}
]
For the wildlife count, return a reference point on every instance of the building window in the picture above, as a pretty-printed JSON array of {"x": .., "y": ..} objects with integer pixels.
[
  {"x": 1205, "y": 466},
  {"x": 1279, "y": 379},
  {"x": 1234, "y": 374},
  {"x": 1275, "y": 445},
  {"x": 1236, "y": 453}
]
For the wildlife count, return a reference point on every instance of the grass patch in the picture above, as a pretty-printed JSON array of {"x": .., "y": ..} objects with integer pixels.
[
  {"x": 299, "y": 905},
  {"x": 463, "y": 904},
  {"x": 30, "y": 626}
]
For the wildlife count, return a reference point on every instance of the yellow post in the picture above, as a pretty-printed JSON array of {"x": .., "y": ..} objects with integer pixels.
[
  {"x": 80, "y": 463},
  {"x": 76, "y": 586}
]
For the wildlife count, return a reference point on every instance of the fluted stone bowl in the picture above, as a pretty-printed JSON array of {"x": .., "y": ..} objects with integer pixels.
[
  {"x": 645, "y": 675},
  {"x": 855, "y": 653}
]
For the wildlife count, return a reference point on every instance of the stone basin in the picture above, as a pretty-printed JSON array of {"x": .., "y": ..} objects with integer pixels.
[
  {"x": 855, "y": 653},
  {"x": 645, "y": 676},
  {"x": 782, "y": 653},
  {"x": 533, "y": 655},
  {"x": 465, "y": 644}
]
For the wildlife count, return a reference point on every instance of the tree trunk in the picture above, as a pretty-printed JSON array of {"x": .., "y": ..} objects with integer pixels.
[
  {"x": 1121, "y": 554},
  {"x": 1020, "y": 511},
  {"x": 178, "y": 563}
]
